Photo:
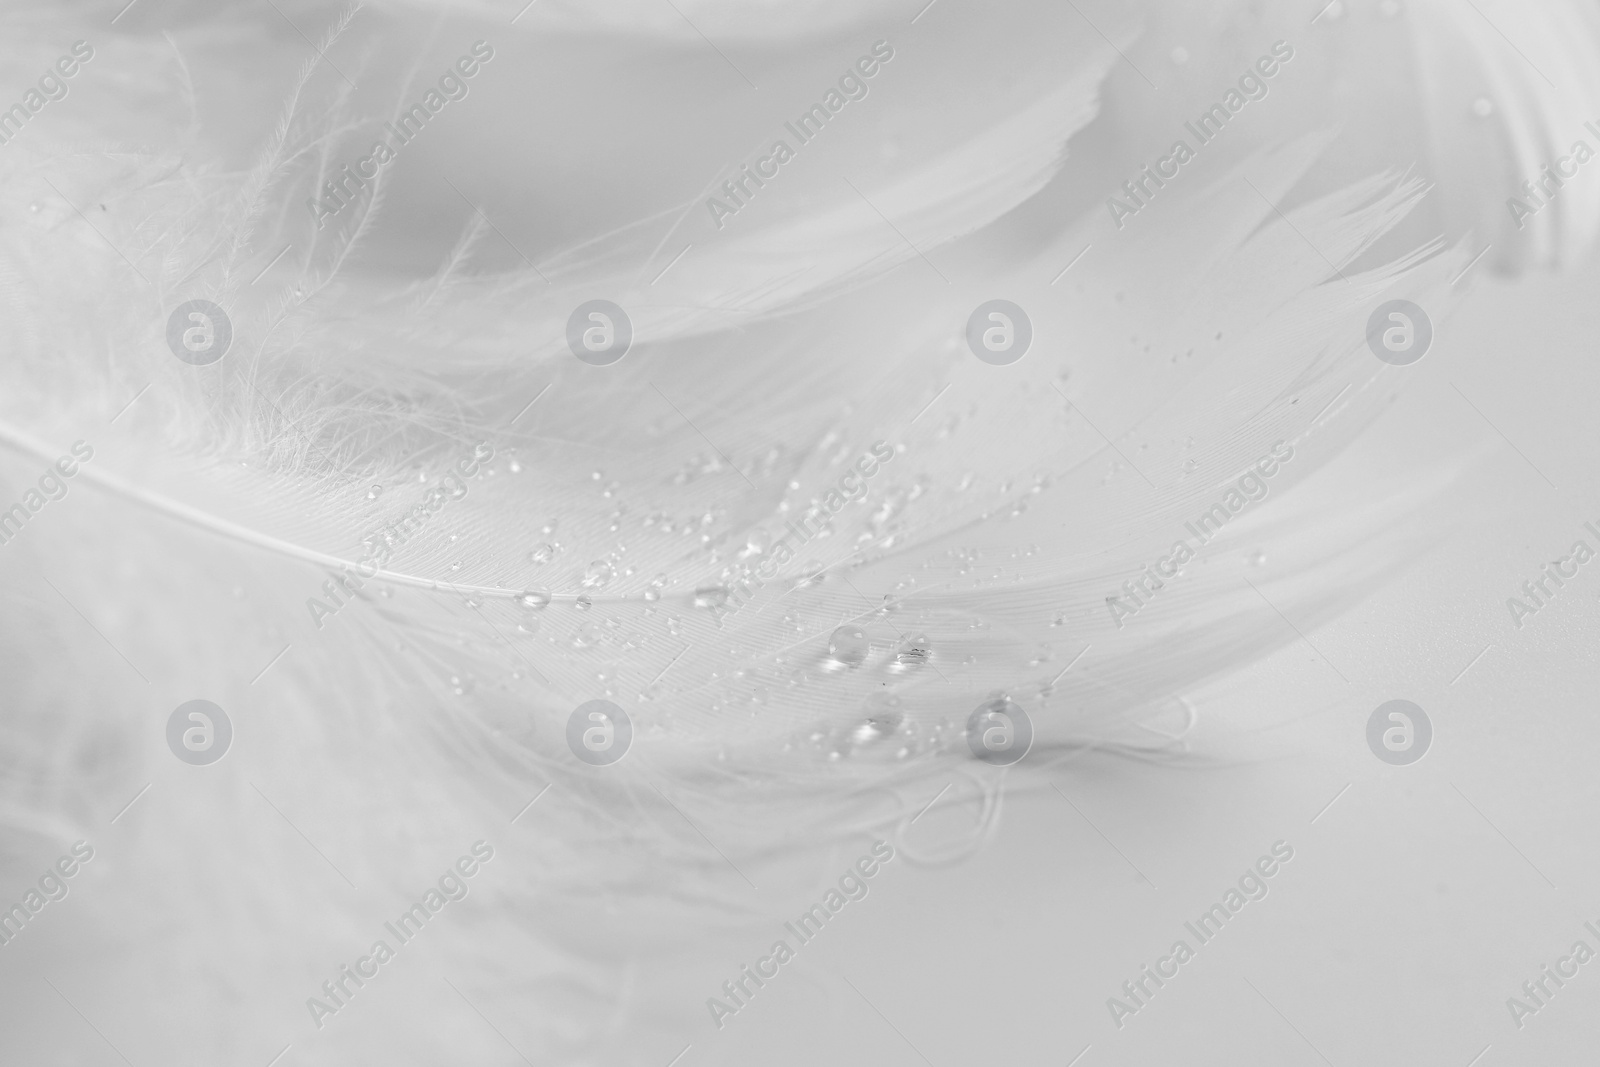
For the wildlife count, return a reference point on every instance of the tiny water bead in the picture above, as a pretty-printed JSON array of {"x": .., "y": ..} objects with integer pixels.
[
  {"x": 375, "y": 492},
  {"x": 848, "y": 646},
  {"x": 534, "y": 600}
]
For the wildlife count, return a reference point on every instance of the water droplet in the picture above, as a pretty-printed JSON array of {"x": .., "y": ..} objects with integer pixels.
[
  {"x": 710, "y": 596},
  {"x": 652, "y": 594},
  {"x": 456, "y": 565},
  {"x": 375, "y": 492},
  {"x": 600, "y": 572},
  {"x": 875, "y": 728},
  {"x": 1258, "y": 558},
  {"x": 534, "y": 600},
  {"x": 542, "y": 554},
  {"x": 583, "y": 603},
  {"x": 596, "y": 475},
  {"x": 528, "y": 626},
  {"x": 848, "y": 646},
  {"x": 514, "y": 467},
  {"x": 473, "y": 602},
  {"x": 548, "y": 528},
  {"x": 911, "y": 655}
]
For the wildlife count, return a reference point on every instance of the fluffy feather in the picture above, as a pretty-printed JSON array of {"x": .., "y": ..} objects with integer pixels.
[{"x": 429, "y": 709}]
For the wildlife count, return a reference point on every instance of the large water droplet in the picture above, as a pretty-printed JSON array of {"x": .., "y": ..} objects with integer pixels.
[
  {"x": 911, "y": 655},
  {"x": 534, "y": 600},
  {"x": 848, "y": 646},
  {"x": 600, "y": 572}
]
